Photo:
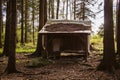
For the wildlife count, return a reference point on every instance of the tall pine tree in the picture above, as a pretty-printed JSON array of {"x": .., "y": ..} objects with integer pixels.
[
  {"x": 42, "y": 19},
  {"x": 11, "y": 66},
  {"x": 109, "y": 58},
  {"x": 0, "y": 23},
  {"x": 118, "y": 26}
]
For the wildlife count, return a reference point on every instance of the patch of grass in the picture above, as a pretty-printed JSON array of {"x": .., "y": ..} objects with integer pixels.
[
  {"x": 26, "y": 45},
  {"x": 22, "y": 50},
  {"x": 27, "y": 48},
  {"x": 1, "y": 50},
  {"x": 97, "y": 42},
  {"x": 96, "y": 39}
]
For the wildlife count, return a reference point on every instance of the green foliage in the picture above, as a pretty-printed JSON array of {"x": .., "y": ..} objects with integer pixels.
[
  {"x": 96, "y": 38},
  {"x": 1, "y": 50},
  {"x": 21, "y": 50},
  {"x": 97, "y": 42},
  {"x": 30, "y": 39},
  {"x": 84, "y": 9},
  {"x": 27, "y": 48}
]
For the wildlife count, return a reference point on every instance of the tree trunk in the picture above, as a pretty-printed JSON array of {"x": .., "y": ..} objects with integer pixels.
[
  {"x": 2, "y": 18},
  {"x": 22, "y": 22},
  {"x": 39, "y": 48},
  {"x": 7, "y": 31},
  {"x": 118, "y": 26},
  {"x": 108, "y": 63},
  {"x": 83, "y": 8},
  {"x": 33, "y": 17},
  {"x": 49, "y": 9},
  {"x": 63, "y": 9},
  {"x": 11, "y": 67},
  {"x": 66, "y": 9},
  {"x": 52, "y": 9},
  {"x": 0, "y": 23},
  {"x": 45, "y": 11},
  {"x": 26, "y": 21},
  {"x": 74, "y": 9},
  {"x": 57, "y": 11}
]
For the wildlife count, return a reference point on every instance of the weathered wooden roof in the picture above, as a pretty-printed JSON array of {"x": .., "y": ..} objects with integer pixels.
[{"x": 66, "y": 26}]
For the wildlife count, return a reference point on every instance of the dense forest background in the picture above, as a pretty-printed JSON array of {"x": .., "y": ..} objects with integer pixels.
[
  {"x": 28, "y": 15},
  {"x": 20, "y": 21}
]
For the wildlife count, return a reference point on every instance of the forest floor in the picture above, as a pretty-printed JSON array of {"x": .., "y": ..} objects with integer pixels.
[{"x": 61, "y": 69}]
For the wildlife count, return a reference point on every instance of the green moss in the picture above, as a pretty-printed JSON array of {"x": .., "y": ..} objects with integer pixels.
[{"x": 38, "y": 62}]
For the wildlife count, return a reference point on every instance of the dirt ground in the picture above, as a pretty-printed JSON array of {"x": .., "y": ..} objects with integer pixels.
[{"x": 61, "y": 69}]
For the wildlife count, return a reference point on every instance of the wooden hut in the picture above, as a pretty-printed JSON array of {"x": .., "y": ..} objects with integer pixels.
[{"x": 66, "y": 36}]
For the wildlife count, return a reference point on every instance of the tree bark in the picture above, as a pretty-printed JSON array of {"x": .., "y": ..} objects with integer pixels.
[
  {"x": 26, "y": 21},
  {"x": 22, "y": 22},
  {"x": 11, "y": 67},
  {"x": 63, "y": 9},
  {"x": 49, "y": 9},
  {"x": 83, "y": 11},
  {"x": 52, "y": 9},
  {"x": 0, "y": 23},
  {"x": 66, "y": 9},
  {"x": 39, "y": 48},
  {"x": 57, "y": 11},
  {"x": 45, "y": 11},
  {"x": 118, "y": 26},
  {"x": 33, "y": 17},
  {"x": 7, "y": 31},
  {"x": 74, "y": 9},
  {"x": 109, "y": 58}
]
